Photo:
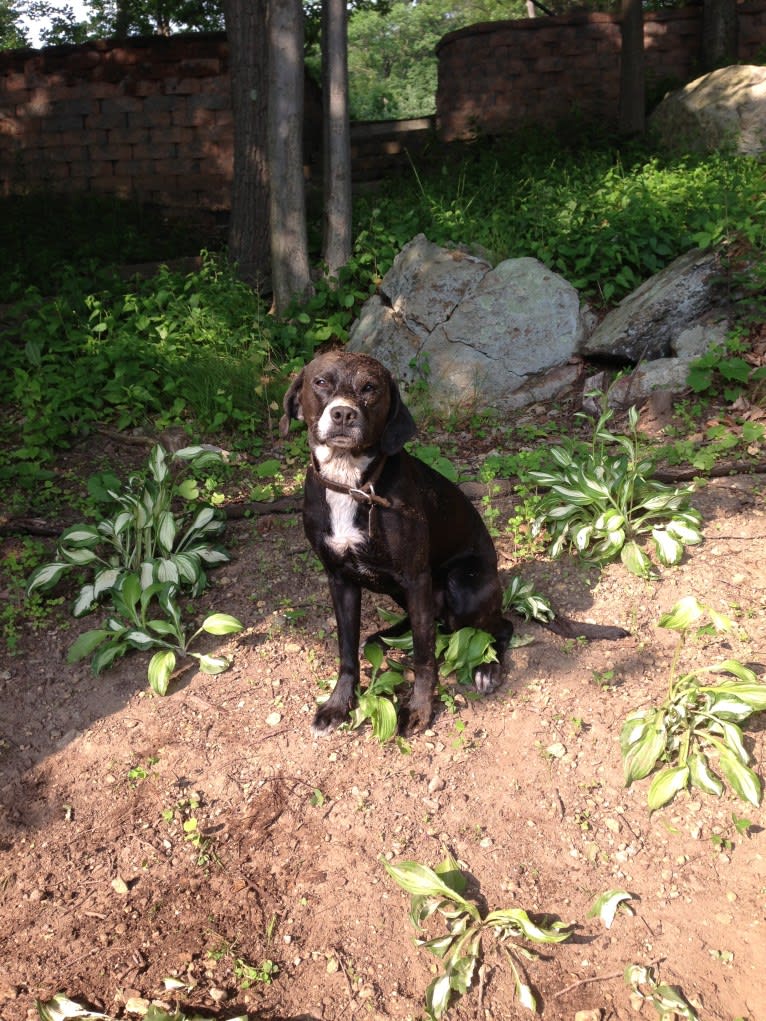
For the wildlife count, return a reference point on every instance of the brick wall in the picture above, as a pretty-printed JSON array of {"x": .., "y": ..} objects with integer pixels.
[
  {"x": 498, "y": 76},
  {"x": 151, "y": 118}
]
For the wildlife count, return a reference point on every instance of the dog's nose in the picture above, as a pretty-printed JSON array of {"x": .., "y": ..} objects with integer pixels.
[{"x": 344, "y": 415}]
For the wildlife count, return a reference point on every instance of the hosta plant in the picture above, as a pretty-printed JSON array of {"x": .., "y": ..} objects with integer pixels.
[
  {"x": 601, "y": 500},
  {"x": 149, "y": 618},
  {"x": 441, "y": 891},
  {"x": 158, "y": 530},
  {"x": 694, "y": 739},
  {"x": 521, "y": 597},
  {"x": 458, "y": 653},
  {"x": 377, "y": 703},
  {"x": 668, "y": 1001}
]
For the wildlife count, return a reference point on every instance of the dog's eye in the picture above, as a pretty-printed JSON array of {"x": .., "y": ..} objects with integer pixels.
[
  {"x": 320, "y": 381},
  {"x": 368, "y": 388}
]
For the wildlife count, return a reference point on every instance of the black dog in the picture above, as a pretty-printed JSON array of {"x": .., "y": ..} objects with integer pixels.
[{"x": 382, "y": 520}]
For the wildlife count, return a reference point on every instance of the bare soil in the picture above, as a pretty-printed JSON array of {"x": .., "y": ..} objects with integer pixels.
[{"x": 103, "y": 895}]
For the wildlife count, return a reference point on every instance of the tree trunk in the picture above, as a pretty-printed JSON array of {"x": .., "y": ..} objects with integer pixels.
[
  {"x": 720, "y": 34},
  {"x": 632, "y": 112},
  {"x": 289, "y": 242},
  {"x": 248, "y": 59},
  {"x": 336, "y": 240}
]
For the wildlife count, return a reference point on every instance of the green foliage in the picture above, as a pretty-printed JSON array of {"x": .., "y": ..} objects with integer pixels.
[
  {"x": 668, "y": 1001},
  {"x": 61, "y": 1008},
  {"x": 391, "y": 52},
  {"x": 21, "y": 612},
  {"x": 377, "y": 703},
  {"x": 172, "y": 347},
  {"x": 459, "y": 653},
  {"x": 441, "y": 891},
  {"x": 521, "y": 597},
  {"x": 723, "y": 370},
  {"x": 602, "y": 218},
  {"x": 698, "y": 721},
  {"x": 92, "y": 232},
  {"x": 598, "y": 504},
  {"x": 139, "y": 560},
  {"x": 144, "y": 536}
]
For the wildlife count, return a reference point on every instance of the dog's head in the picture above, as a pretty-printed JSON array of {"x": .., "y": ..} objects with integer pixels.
[{"x": 350, "y": 403}]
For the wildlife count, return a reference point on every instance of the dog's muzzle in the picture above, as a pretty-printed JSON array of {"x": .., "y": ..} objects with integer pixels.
[{"x": 340, "y": 425}]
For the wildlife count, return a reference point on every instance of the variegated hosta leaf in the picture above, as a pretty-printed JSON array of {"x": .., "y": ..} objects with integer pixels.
[
  {"x": 212, "y": 664},
  {"x": 221, "y": 624},
  {"x": 85, "y": 599},
  {"x": 636, "y": 561},
  {"x": 47, "y": 576},
  {"x": 420, "y": 881},
  {"x": 688, "y": 534},
  {"x": 744, "y": 782},
  {"x": 753, "y": 688},
  {"x": 438, "y": 995},
  {"x": 669, "y": 1000},
  {"x": 80, "y": 536},
  {"x": 702, "y": 776},
  {"x": 607, "y": 904},
  {"x": 669, "y": 550},
  {"x": 643, "y": 746},
  {"x": 684, "y": 615},
  {"x": 517, "y": 919},
  {"x": 666, "y": 785},
  {"x": 161, "y": 667}
]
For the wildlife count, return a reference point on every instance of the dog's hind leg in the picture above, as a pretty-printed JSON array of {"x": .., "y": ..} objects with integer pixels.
[{"x": 473, "y": 598}]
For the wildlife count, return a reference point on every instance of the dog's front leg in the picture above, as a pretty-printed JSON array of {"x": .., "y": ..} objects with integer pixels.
[
  {"x": 347, "y": 602},
  {"x": 417, "y": 715}
]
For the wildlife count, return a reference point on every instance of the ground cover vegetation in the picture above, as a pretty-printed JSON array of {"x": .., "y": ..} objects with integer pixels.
[{"x": 91, "y": 351}]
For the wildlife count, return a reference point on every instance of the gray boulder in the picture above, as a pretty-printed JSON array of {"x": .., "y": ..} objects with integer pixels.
[
  {"x": 651, "y": 322},
  {"x": 477, "y": 335},
  {"x": 723, "y": 109}
]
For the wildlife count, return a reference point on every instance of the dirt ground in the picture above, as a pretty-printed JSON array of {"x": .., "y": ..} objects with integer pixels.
[{"x": 104, "y": 894}]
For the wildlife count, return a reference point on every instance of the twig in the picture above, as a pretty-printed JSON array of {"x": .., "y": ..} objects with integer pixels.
[{"x": 597, "y": 978}]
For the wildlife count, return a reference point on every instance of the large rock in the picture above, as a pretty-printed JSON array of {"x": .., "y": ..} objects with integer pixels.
[
  {"x": 477, "y": 335},
  {"x": 723, "y": 109},
  {"x": 651, "y": 321}
]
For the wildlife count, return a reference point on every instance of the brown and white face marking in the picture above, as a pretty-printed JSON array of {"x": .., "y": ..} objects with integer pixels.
[{"x": 346, "y": 402}]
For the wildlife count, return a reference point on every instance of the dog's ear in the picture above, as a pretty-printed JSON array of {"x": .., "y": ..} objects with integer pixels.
[
  {"x": 400, "y": 426},
  {"x": 292, "y": 405}
]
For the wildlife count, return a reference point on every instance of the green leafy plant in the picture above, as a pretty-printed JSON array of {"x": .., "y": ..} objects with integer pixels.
[
  {"x": 599, "y": 503},
  {"x": 377, "y": 703},
  {"x": 521, "y": 597},
  {"x": 140, "y": 559},
  {"x": 607, "y": 904},
  {"x": 185, "y": 811},
  {"x": 668, "y": 1001},
  {"x": 61, "y": 1008},
  {"x": 697, "y": 727},
  {"x": 130, "y": 626},
  {"x": 442, "y": 891},
  {"x": 723, "y": 369},
  {"x": 459, "y": 653},
  {"x": 144, "y": 535}
]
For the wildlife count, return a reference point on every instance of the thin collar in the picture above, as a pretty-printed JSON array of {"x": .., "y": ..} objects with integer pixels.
[{"x": 362, "y": 494}]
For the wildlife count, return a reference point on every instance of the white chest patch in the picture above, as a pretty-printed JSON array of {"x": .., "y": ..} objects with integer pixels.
[{"x": 347, "y": 470}]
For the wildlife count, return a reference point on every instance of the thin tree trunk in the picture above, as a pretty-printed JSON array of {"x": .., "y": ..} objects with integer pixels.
[
  {"x": 632, "y": 112},
  {"x": 336, "y": 241},
  {"x": 248, "y": 58},
  {"x": 720, "y": 34},
  {"x": 289, "y": 243}
]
